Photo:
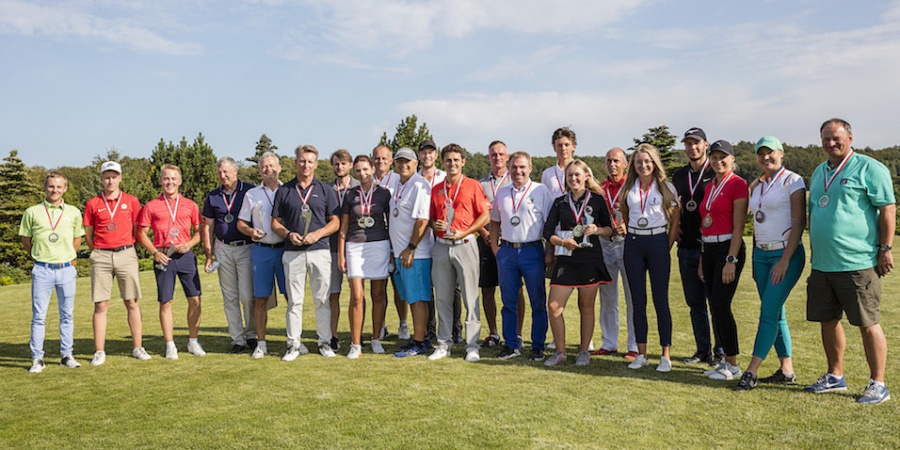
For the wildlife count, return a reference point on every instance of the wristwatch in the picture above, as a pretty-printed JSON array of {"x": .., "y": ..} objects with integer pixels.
[
  {"x": 731, "y": 259},
  {"x": 884, "y": 248}
]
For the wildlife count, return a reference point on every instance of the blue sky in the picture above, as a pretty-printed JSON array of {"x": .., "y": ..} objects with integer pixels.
[{"x": 79, "y": 77}]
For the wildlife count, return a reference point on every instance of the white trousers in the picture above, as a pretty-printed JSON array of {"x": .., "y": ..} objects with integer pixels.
[{"x": 297, "y": 265}]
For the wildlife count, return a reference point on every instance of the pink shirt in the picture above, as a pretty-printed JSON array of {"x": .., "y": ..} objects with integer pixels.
[{"x": 157, "y": 215}]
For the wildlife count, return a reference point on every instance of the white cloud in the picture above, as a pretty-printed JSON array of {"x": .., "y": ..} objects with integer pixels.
[{"x": 23, "y": 18}]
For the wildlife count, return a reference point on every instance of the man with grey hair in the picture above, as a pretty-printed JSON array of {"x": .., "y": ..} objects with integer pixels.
[{"x": 232, "y": 252}]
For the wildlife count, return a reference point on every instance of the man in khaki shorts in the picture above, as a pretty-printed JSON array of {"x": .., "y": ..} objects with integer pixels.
[
  {"x": 852, "y": 217},
  {"x": 110, "y": 223}
]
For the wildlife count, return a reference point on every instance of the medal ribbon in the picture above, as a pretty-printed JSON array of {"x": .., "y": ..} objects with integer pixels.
[
  {"x": 340, "y": 194},
  {"x": 173, "y": 212},
  {"x": 612, "y": 206},
  {"x": 558, "y": 182},
  {"x": 365, "y": 200},
  {"x": 400, "y": 192},
  {"x": 112, "y": 212},
  {"x": 579, "y": 214},
  {"x": 643, "y": 199},
  {"x": 512, "y": 197},
  {"x": 303, "y": 199},
  {"x": 268, "y": 199},
  {"x": 497, "y": 186},
  {"x": 447, "y": 197},
  {"x": 766, "y": 187},
  {"x": 691, "y": 183},
  {"x": 228, "y": 204},
  {"x": 836, "y": 172},
  {"x": 717, "y": 189},
  {"x": 386, "y": 180},
  {"x": 62, "y": 209}
]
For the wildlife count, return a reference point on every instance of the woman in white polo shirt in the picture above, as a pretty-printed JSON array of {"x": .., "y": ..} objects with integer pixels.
[
  {"x": 364, "y": 252},
  {"x": 649, "y": 205},
  {"x": 778, "y": 206}
]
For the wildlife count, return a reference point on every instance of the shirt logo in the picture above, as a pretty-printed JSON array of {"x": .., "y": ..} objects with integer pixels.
[
  {"x": 844, "y": 181},
  {"x": 124, "y": 206}
]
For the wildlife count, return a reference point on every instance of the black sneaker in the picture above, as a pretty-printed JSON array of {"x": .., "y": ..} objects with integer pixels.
[
  {"x": 698, "y": 358},
  {"x": 335, "y": 343},
  {"x": 779, "y": 377},
  {"x": 252, "y": 343},
  {"x": 748, "y": 382},
  {"x": 508, "y": 353},
  {"x": 236, "y": 348},
  {"x": 536, "y": 354}
]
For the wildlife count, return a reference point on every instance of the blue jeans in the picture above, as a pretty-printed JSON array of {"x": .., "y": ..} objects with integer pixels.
[
  {"x": 513, "y": 265},
  {"x": 645, "y": 254},
  {"x": 773, "y": 326},
  {"x": 43, "y": 281},
  {"x": 695, "y": 297}
]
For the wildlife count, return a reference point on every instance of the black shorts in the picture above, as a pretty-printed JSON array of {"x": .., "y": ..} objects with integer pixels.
[
  {"x": 489, "y": 276},
  {"x": 571, "y": 274}
]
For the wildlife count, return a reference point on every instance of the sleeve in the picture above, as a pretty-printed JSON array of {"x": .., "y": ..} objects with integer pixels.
[
  {"x": 433, "y": 208},
  {"x": 79, "y": 224},
  {"x": 601, "y": 212},
  {"x": 136, "y": 210},
  {"x": 671, "y": 188},
  {"x": 195, "y": 215},
  {"x": 879, "y": 186},
  {"x": 546, "y": 202},
  {"x": 332, "y": 206},
  {"x": 482, "y": 204},
  {"x": 208, "y": 211},
  {"x": 144, "y": 217},
  {"x": 246, "y": 209},
  {"x": 552, "y": 221},
  {"x": 495, "y": 210},
  {"x": 89, "y": 213},
  {"x": 277, "y": 208},
  {"x": 422, "y": 207},
  {"x": 346, "y": 208},
  {"x": 26, "y": 227},
  {"x": 740, "y": 189},
  {"x": 794, "y": 183}
]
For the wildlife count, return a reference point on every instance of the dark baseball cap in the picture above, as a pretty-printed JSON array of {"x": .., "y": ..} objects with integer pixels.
[
  {"x": 722, "y": 146},
  {"x": 694, "y": 133},
  {"x": 427, "y": 143}
]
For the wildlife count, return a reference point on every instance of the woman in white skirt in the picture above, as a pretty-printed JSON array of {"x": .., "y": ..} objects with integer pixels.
[{"x": 364, "y": 251}]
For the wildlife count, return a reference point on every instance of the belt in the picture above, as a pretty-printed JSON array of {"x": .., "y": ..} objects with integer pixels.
[
  {"x": 235, "y": 243},
  {"x": 117, "y": 249},
  {"x": 773, "y": 246},
  {"x": 716, "y": 238},
  {"x": 53, "y": 265},
  {"x": 277, "y": 245},
  {"x": 518, "y": 245},
  {"x": 456, "y": 241},
  {"x": 647, "y": 231}
]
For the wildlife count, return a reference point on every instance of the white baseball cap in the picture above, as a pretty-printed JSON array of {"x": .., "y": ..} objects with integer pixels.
[{"x": 111, "y": 165}]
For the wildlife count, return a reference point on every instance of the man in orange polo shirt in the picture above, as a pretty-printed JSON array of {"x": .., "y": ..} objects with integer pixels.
[
  {"x": 459, "y": 209},
  {"x": 110, "y": 223},
  {"x": 175, "y": 221}
]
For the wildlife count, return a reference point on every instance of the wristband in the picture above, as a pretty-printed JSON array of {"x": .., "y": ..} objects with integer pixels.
[{"x": 411, "y": 246}]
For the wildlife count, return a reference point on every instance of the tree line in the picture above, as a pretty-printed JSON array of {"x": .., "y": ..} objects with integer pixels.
[{"x": 22, "y": 186}]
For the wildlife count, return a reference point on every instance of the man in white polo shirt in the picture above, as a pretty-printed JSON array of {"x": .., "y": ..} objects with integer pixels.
[{"x": 517, "y": 220}]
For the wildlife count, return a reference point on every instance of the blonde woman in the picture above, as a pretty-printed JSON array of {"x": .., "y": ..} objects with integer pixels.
[
  {"x": 582, "y": 217},
  {"x": 651, "y": 216}
]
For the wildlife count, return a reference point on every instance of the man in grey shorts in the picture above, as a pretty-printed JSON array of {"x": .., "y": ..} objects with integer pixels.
[{"x": 852, "y": 218}]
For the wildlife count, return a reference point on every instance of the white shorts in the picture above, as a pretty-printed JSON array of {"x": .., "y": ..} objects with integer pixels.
[{"x": 368, "y": 260}]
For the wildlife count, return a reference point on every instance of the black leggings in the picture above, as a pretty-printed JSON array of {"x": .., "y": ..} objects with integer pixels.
[{"x": 720, "y": 295}]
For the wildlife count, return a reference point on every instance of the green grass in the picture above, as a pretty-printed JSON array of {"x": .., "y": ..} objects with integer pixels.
[{"x": 228, "y": 401}]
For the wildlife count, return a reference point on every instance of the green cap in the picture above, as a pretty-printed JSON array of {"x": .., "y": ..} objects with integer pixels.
[{"x": 771, "y": 142}]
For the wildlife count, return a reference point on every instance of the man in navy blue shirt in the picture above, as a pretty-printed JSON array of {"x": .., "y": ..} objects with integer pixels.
[
  {"x": 305, "y": 213},
  {"x": 232, "y": 252}
]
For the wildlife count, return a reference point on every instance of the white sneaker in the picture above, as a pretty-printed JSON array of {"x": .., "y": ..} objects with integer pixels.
[
  {"x": 551, "y": 345},
  {"x": 292, "y": 353},
  {"x": 326, "y": 351},
  {"x": 69, "y": 361},
  {"x": 195, "y": 349},
  {"x": 439, "y": 352},
  {"x": 726, "y": 372},
  {"x": 591, "y": 346},
  {"x": 355, "y": 351},
  {"x": 302, "y": 349},
  {"x": 99, "y": 358},
  {"x": 171, "y": 352},
  {"x": 713, "y": 370},
  {"x": 665, "y": 365},
  {"x": 258, "y": 353},
  {"x": 377, "y": 347},
  {"x": 403, "y": 331},
  {"x": 37, "y": 366},
  {"x": 140, "y": 353},
  {"x": 639, "y": 362},
  {"x": 472, "y": 355}
]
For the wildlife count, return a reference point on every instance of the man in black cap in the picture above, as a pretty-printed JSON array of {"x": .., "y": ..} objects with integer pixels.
[{"x": 690, "y": 182}]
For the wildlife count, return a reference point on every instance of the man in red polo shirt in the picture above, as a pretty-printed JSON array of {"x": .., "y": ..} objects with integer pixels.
[
  {"x": 110, "y": 224},
  {"x": 175, "y": 221},
  {"x": 459, "y": 209}
]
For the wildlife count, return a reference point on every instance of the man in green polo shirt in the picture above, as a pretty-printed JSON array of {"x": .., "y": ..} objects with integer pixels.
[
  {"x": 852, "y": 217},
  {"x": 52, "y": 231}
]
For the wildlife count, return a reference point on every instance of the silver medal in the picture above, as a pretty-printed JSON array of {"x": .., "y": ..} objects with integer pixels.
[
  {"x": 370, "y": 221},
  {"x": 707, "y": 221},
  {"x": 643, "y": 222},
  {"x": 53, "y": 237},
  {"x": 578, "y": 230},
  {"x": 824, "y": 200},
  {"x": 304, "y": 208},
  {"x": 515, "y": 221},
  {"x": 691, "y": 205},
  {"x": 229, "y": 218},
  {"x": 173, "y": 231},
  {"x": 362, "y": 223},
  {"x": 760, "y": 216},
  {"x": 396, "y": 212}
]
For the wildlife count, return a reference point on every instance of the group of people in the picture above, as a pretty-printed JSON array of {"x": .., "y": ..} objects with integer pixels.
[{"x": 439, "y": 236}]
